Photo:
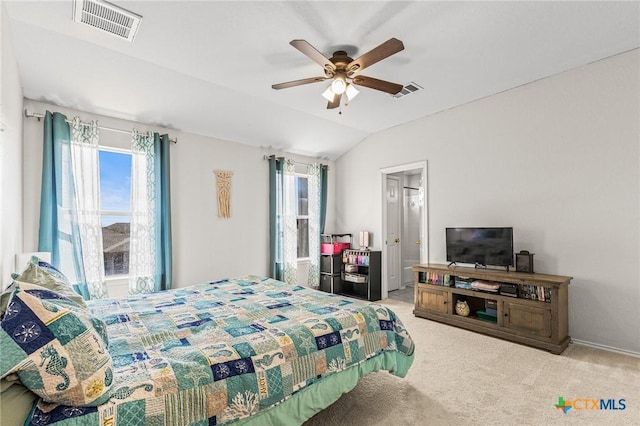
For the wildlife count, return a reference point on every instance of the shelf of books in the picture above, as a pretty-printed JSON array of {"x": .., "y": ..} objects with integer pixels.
[{"x": 522, "y": 291}]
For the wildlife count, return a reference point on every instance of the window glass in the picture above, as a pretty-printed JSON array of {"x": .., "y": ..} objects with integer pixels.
[
  {"x": 115, "y": 181},
  {"x": 303, "y": 238},
  {"x": 302, "y": 203},
  {"x": 302, "y": 194},
  {"x": 115, "y": 203}
]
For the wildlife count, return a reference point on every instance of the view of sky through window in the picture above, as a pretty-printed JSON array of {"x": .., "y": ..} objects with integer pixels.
[
  {"x": 115, "y": 203},
  {"x": 115, "y": 183}
]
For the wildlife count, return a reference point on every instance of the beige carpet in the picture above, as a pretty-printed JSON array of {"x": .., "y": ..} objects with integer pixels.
[{"x": 464, "y": 378}]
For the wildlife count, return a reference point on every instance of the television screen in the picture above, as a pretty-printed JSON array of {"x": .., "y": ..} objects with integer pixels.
[{"x": 483, "y": 246}]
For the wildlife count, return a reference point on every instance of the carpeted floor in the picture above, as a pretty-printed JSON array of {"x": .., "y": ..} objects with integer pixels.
[
  {"x": 403, "y": 295},
  {"x": 465, "y": 378}
]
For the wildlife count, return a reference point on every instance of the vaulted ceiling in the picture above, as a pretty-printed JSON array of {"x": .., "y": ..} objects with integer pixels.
[{"x": 207, "y": 67}]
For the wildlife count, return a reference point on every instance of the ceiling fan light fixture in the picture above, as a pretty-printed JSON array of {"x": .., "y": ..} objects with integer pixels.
[
  {"x": 351, "y": 92},
  {"x": 328, "y": 94},
  {"x": 339, "y": 84}
]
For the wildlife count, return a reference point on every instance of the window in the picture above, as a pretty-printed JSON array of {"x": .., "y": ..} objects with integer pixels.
[
  {"x": 302, "y": 214},
  {"x": 115, "y": 205}
]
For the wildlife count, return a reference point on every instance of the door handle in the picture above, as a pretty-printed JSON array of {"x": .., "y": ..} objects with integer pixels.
[
  {"x": 397, "y": 240},
  {"x": 418, "y": 242}
]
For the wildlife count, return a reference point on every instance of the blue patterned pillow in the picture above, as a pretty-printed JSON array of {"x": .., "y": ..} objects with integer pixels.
[
  {"x": 46, "y": 265},
  {"x": 55, "y": 347},
  {"x": 45, "y": 275}
]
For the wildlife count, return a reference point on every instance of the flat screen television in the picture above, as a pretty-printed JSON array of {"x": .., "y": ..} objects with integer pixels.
[{"x": 480, "y": 246}]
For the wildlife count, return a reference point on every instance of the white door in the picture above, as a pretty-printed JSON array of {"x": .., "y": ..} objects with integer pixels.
[
  {"x": 394, "y": 197},
  {"x": 411, "y": 215}
]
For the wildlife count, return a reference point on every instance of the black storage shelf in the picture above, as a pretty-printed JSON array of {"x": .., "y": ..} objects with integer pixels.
[
  {"x": 330, "y": 267},
  {"x": 368, "y": 270},
  {"x": 330, "y": 264}
]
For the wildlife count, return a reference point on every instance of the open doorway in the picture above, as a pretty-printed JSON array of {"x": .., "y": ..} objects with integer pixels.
[{"x": 404, "y": 227}]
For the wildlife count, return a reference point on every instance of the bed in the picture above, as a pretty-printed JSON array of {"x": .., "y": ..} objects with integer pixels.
[{"x": 248, "y": 350}]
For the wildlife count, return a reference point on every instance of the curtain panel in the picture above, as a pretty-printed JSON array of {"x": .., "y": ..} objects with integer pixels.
[
  {"x": 315, "y": 191},
  {"x": 69, "y": 203},
  {"x": 317, "y": 175},
  {"x": 164, "y": 241},
  {"x": 150, "y": 251},
  {"x": 323, "y": 196},
  {"x": 86, "y": 178},
  {"x": 283, "y": 224},
  {"x": 275, "y": 239}
]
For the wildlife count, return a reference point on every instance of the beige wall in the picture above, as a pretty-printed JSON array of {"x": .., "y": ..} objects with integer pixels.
[
  {"x": 10, "y": 155},
  {"x": 557, "y": 159},
  {"x": 205, "y": 247}
]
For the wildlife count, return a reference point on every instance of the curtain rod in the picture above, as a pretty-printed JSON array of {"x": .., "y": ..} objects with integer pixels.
[
  {"x": 266, "y": 157},
  {"x": 30, "y": 114}
]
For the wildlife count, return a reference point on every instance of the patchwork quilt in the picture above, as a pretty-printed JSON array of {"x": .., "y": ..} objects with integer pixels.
[{"x": 223, "y": 351}]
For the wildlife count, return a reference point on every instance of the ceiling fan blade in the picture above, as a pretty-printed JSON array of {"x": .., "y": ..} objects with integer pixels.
[
  {"x": 312, "y": 52},
  {"x": 386, "y": 49},
  {"x": 297, "y": 82},
  {"x": 335, "y": 103},
  {"x": 374, "y": 83}
]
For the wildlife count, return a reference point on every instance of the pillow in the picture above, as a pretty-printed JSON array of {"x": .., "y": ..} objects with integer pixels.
[
  {"x": 55, "y": 347},
  {"x": 4, "y": 298},
  {"x": 19, "y": 398},
  {"x": 44, "y": 275}
]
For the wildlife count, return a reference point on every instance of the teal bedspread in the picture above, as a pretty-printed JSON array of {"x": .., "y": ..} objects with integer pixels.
[{"x": 245, "y": 350}]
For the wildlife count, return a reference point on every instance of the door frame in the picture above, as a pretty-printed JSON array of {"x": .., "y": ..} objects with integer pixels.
[{"x": 424, "y": 237}]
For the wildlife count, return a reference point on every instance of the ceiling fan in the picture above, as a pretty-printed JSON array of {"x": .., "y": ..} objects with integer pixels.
[{"x": 344, "y": 70}]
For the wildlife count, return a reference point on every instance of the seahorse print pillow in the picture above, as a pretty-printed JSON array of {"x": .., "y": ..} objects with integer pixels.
[{"x": 55, "y": 347}]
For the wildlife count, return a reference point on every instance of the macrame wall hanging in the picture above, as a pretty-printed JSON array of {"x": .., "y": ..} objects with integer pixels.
[{"x": 223, "y": 182}]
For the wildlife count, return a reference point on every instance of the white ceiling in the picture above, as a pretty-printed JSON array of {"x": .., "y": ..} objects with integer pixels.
[{"x": 207, "y": 67}]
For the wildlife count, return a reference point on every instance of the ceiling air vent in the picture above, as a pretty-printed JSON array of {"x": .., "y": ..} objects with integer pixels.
[
  {"x": 408, "y": 89},
  {"x": 107, "y": 17}
]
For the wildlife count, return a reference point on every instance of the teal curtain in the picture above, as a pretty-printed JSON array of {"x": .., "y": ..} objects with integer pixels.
[
  {"x": 59, "y": 232},
  {"x": 150, "y": 267},
  {"x": 276, "y": 166},
  {"x": 323, "y": 196},
  {"x": 163, "y": 208}
]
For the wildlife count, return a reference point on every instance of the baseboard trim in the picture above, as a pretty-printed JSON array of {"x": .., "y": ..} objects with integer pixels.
[{"x": 607, "y": 348}]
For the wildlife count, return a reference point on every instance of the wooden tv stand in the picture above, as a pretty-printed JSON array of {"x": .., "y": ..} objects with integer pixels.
[{"x": 538, "y": 317}]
